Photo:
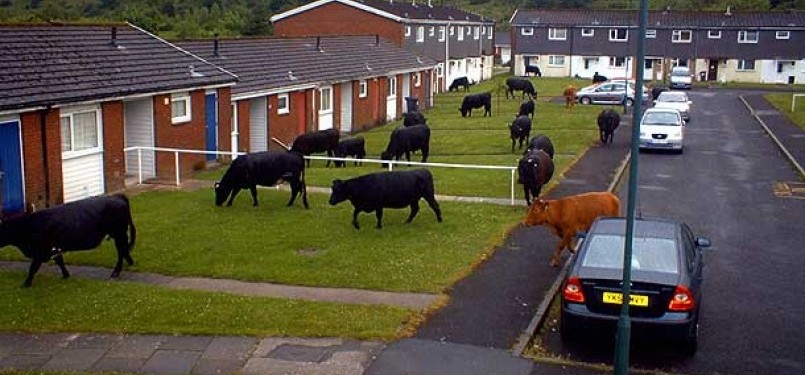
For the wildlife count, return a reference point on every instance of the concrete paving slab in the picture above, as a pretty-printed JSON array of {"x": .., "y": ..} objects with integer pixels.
[
  {"x": 217, "y": 366},
  {"x": 269, "y": 344},
  {"x": 73, "y": 359},
  {"x": 171, "y": 362},
  {"x": 11, "y": 342},
  {"x": 94, "y": 341},
  {"x": 229, "y": 348},
  {"x": 188, "y": 343},
  {"x": 45, "y": 344},
  {"x": 135, "y": 346},
  {"x": 301, "y": 353},
  {"x": 24, "y": 361},
  {"x": 119, "y": 365}
]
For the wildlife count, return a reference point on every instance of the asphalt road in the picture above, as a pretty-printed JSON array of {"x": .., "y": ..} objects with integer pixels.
[{"x": 753, "y": 311}]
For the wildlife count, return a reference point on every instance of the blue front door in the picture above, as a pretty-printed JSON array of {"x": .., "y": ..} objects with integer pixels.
[
  {"x": 211, "y": 111},
  {"x": 12, "y": 195}
]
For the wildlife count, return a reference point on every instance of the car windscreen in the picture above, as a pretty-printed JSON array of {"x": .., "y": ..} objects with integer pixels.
[
  {"x": 671, "y": 98},
  {"x": 660, "y": 118},
  {"x": 680, "y": 73},
  {"x": 648, "y": 253}
]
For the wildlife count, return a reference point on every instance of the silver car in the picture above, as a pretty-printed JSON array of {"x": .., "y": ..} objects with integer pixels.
[
  {"x": 662, "y": 128},
  {"x": 609, "y": 93},
  {"x": 677, "y": 100}
]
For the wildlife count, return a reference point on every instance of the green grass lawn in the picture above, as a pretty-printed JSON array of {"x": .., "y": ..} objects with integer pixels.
[
  {"x": 783, "y": 103},
  {"x": 83, "y": 305}
]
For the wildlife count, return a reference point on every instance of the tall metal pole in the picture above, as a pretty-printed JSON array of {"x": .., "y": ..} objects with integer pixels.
[{"x": 624, "y": 323}]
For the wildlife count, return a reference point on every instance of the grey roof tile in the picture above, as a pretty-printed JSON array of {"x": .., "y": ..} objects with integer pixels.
[{"x": 657, "y": 19}]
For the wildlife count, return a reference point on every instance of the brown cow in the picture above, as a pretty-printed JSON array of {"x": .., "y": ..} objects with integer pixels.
[
  {"x": 568, "y": 215},
  {"x": 570, "y": 96}
]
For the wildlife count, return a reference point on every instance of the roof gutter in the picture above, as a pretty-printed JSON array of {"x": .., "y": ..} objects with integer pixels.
[
  {"x": 138, "y": 96},
  {"x": 282, "y": 90},
  {"x": 21, "y": 110}
]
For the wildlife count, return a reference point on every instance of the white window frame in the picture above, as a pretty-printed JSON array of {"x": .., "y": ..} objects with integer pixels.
[
  {"x": 283, "y": 109},
  {"x": 439, "y": 70},
  {"x": 407, "y": 31},
  {"x": 552, "y": 60},
  {"x": 743, "y": 36},
  {"x": 676, "y": 36},
  {"x": 651, "y": 34},
  {"x": 417, "y": 79},
  {"x": 476, "y": 33},
  {"x": 713, "y": 34},
  {"x": 363, "y": 89},
  {"x": 741, "y": 66},
  {"x": 432, "y": 31},
  {"x": 460, "y": 32},
  {"x": 587, "y": 31},
  {"x": 420, "y": 34},
  {"x": 613, "y": 35},
  {"x": 441, "y": 33},
  {"x": 489, "y": 35},
  {"x": 555, "y": 34},
  {"x": 613, "y": 62},
  {"x": 527, "y": 31},
  {"x": 782, "y": 35},
  {"x": 325, "y": 106},
  {"x": 392, "y": 87},
  {"x": 452, "y": 30},
  {"x": 70, "y": 114},
  {"x": 188, "y": 116},
  {"x": 483, "y": 30}
]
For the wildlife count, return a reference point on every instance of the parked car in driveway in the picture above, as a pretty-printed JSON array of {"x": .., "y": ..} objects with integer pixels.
[
  {"x": 681, "y": 77},
  {"x": 675, "y": 99},
  {"x": 666, "y": 294},
  {"x": 662, "y": 128},
  {"x": 610, "y": 92}
]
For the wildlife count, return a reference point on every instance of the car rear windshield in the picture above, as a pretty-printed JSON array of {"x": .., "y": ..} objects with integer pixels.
[
  {"x": 680, "y": 73},
  {"x": 648, "y": 253},
  {"x": 661, "y": 118},
  {"x": 671, "y": 98}
]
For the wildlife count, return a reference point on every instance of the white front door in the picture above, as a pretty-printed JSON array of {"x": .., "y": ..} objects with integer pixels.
[
  {"x": 406, "y": 89},
  {"x": 326, "y": 107},
  {"x": 391, "y": 99},
  {"x": 138, "y": 122},
  {"x": 346, "y": 107},
  {"x": 82, "y": 152}
]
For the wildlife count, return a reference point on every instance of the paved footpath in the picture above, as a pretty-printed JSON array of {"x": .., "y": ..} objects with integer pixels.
[{"x": 787, "y": 133}]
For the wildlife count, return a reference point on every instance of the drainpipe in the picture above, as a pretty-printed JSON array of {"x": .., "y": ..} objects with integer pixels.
[
  {"x": 446, "y": 56},
  {"x": 235, "y": 133},
  {"x": 45, "y": 167}
]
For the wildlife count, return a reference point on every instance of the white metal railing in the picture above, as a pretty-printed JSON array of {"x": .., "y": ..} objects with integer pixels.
[{"x": 391, "y": 163}]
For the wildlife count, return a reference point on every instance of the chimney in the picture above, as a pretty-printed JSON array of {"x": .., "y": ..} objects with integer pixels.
[
  {"x": 215, "y": 50},
  {"x": 114, "y": 36},
  {"x": 667, "y": 9},
  {"x": 318, "y": 44},
  {"x": 377, "y": 40},
  {"x": 728, "y": 13},
  {"x": 429, "y": 4}
]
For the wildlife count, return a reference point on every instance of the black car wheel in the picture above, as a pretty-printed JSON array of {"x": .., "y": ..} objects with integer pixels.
[
  {"x": 585, "y": 100},
  {"x": 691, "y": 343}
]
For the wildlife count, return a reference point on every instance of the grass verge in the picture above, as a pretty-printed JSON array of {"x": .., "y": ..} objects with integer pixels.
[{"x": 782, "y": 101}]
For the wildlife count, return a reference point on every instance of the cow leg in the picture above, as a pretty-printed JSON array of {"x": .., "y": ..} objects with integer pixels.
[
  {"x": 235, "y": 192},
  {"x": 253, "y": 189},
  {"x": 329, "y": 155},
  {"x": 60, "y": 262},
  {"x": 566, "y": 241},
  {"x": 32, "y": 270},
  {"x": 513, "y": 142},
  {"x": 527, "y": 193},
  {"x": 122, "y": 246},
  {"x": 414, "y": 211},
  {"x": 294, "y": 192},
  {"x": 355, "y": 219},
  {"x": 379, "y": 215},
  {"x": 435, "y": 207},
  {"x": 425, "y": 152}
]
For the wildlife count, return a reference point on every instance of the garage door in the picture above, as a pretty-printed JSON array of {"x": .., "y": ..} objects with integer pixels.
[
  {"x": 139, "y": 127},
  {"x": 258, "y": 125},
  {"x": 82, "y": 153}
]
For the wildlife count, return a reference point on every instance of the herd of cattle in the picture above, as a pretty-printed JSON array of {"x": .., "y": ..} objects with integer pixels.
[{"x": 82, "y": 225}]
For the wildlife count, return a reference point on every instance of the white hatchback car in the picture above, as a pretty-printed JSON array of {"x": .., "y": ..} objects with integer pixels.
[
  {"x": 675, "y": 99},
  {"x": 662, "y": 128}
]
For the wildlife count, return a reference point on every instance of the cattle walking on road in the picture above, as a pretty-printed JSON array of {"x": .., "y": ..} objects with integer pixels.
[
  {"x": 80, "y": 225},
  {"x": 376, "y": 191},
  {"x": 470, "y": 102},
  {"x": 318, "y": 141},
  {"x": 535, "y": 169},
  {"x": 520, "y": 129},
  {"x": 568, "y": 215},
  {"x": 265, "y": 168},
  {"x": 608, "y": 121}
]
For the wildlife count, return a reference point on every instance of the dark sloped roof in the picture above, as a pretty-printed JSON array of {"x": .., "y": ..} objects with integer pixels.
[
  {"x": 503, "y": 38},
  {"x": 43, "y": 65},
  {"x": 263, "y": 64},
  {"x": 407, "y": 9},
  {"x": 589, "y": 17}
]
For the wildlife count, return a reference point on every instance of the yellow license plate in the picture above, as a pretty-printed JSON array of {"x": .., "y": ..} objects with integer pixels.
[{"x": 617, "y": 299}]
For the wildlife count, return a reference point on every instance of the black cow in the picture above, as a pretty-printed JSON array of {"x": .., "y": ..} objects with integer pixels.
[
  {"x": 597, "y": 78},
  {"x": 527, "y": 107},
  {"x": 80, "y": 225},
  {"x": 317, "y": 141},
  {"x": 414, "y": 118},
  {"x": 520, "y": 129},
  {"x": 265, "y": 168},
  {"x": 533, "y": 69},
  {"x": 407, "y": 140},
  {"x": 656, "y": 91},
  {"x": 608, "y": 121},
  {"x": 520, "y": 84},
  {"x": 376, "y": 191},
  {"x": 541, "y": 142},
  {"x": 355, "y": 147},
  {"x": 536, "y": 169},
  {"x": 483, "y": 99},
  {"x": 460, "y": 82}
]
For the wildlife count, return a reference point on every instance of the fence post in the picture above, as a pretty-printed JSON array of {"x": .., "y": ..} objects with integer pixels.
[
  {"x": 140, "y": 165},
  {"x": 512, "y": 189},
  {"x": 176, "y": 162}
]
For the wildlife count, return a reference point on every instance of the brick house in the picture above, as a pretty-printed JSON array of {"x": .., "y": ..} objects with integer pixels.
[
  {"x": 75, "y": 96},
  {"x": 716, "y": 46},
  {"x": 460, "y": 42},
  {"x": 290, "y": 86}
]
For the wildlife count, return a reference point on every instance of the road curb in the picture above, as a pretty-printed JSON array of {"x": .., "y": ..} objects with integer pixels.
[
  {"x": 776, "y": 140},
  {"x": 539, "y": 317}
]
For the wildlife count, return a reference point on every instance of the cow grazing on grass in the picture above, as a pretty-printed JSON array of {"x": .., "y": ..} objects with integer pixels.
[
  {"x": 414, "y": 118},
  {"x": 536, "y": 169},
  {"x": 376, "y": 191},
  {"x": 355, "y": 147},
  {"x": 533, "y": 69},
  {"x": 470, "y": 102},
  {"x": 318, "y": 141},
  {"x": 568, "y": 215},
  {"x": 265, "y": 168},
  {"x": 520, "y": 84},
  {"x": 80, "y": 225},
  {"x": 608, "y": 121},
  {"x": 541, "y": 142},
  {"x": 407, "y": 140},
  {"x": 460, "y": 82},
  {"x": 520, "y": 129},
  {"x": 527, "y": 107}
]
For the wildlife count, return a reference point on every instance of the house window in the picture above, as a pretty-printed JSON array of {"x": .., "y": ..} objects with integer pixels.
[
  {"x": 79, "y": 131},
  {"x": 392, "y": 86},
  {"x": 432, "y": 31},
  {"x": 441, "y": 33},
  {"x": 283, "y": 104},
  {"x": 489, "y": 34},
  {"x": 681, "y": 36},
  {"x": 460, "y": 32},
  {"x": 587, "y": 32},
  {"x": 745, "y": 36},
  {"x": 420, "y": 34},
  {"x": 555, "y": 60},
  {"x": 363, "y": 89},
  {"x": 439, "y": 70},
  {"x": 648, "y": 64},
  {"x": 679, "y": 62},
  {"x": 325, "y": 99},
  {"x": 746, "y": 64},
  {"x": 417, "y": 79},
  {"x": 651, "y": 34},
  {"x": 618, "y": 35},
  {"x": 557, "y": 34},
  {"x": 527, "y": 31},
  {"x": 476, "y": 33},
  {"x": 783, "y": 35},
  {"x": 407, "y": 31},
  {"x": 180, "y": 108},
  {"x": 483, "y": 30},
  {"x": 714, "y": 34},
  {"x": 617, "y": 62},
  {"x": 452, "y": 30}
]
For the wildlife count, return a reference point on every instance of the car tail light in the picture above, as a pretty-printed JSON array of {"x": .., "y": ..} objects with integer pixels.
[
  {"x": 682, "y": 300},
  {"x": 572, "y": 291}
]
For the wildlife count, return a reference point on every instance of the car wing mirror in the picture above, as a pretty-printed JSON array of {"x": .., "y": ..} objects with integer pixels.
[
  {"x": 702, "y": 242},
  {"x": 581, "y": 235}
]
